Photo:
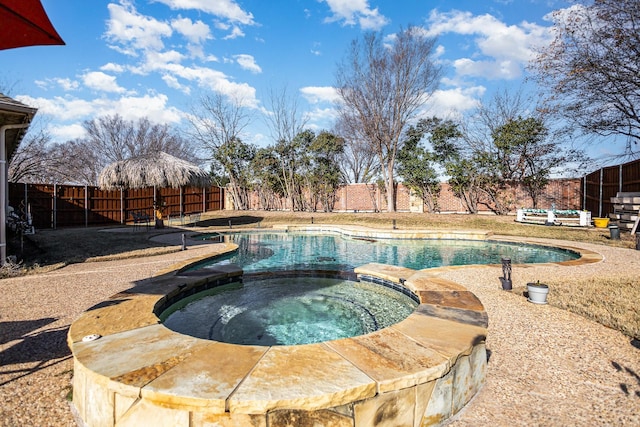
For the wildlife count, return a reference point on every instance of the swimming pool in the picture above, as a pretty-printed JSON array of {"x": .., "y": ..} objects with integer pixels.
[{"x": 278, "y": 251}]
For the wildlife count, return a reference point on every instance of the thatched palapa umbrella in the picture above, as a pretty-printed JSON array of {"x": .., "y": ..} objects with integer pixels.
[
  {"x": 157, "y": 170},
  {"x": 154, "y": 170}
]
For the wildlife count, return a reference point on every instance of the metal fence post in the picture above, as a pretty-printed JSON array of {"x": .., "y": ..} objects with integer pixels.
[
  {"x": 55, "y": 206},
  {"x": 86, "y": 206},
  {"x": 620, "y": 178},
  {"x": 600, "y": 196},
  {"x": 122, "y": 206}
]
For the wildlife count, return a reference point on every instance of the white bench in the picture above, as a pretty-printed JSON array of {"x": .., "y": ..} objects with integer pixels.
[{"x": 554, "y": 216}]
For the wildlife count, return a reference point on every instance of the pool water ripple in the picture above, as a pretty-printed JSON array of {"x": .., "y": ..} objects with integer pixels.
[
  {"x": 289, "y": 311},
  {"x": 277, "y": 251}
]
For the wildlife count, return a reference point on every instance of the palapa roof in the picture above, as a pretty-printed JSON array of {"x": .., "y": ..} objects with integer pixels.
[{"x": 153, "y": 170}]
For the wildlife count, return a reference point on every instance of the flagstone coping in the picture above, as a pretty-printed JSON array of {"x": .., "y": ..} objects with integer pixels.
[{"x": 127, "y": 365}]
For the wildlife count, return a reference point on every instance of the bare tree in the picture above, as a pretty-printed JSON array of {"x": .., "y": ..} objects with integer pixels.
[
  {"x": 217, "y": 124},
  {"x": 286, "y": 122},
  {"x": 358, "y": 162},
  {"x": 507, "y": 142},
  {"x": 34, "y": 158},
  {"x": 111, "y": 138},
  {"x": 381, "y": 89},
  {"x": 591, "y": 68},
  {"x": 83, "y": 165}
]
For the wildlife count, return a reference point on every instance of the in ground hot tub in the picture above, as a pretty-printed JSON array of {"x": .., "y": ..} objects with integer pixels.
[
  {"x": 418, "y": 371},
  {"x": 291, "y": 308}
]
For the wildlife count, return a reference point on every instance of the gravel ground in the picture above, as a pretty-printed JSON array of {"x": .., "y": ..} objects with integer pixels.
[{"x": 547, "y": 367}]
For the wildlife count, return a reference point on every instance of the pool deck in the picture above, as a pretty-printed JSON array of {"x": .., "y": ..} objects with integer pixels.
[
  {"x": 426, "y": 368},
  {"x": 586, "y": 373}
]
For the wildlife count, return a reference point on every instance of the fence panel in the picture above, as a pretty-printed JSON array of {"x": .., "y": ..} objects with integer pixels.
[
  {"x": 104, "y": 207},
  {"x": 54, "y": 206},
  {"x": 631, "y": 177},
  {"x": 599, "y": 186}
]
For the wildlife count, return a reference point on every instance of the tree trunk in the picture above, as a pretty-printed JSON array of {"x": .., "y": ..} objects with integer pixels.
[{"x": 391, "y": 189}]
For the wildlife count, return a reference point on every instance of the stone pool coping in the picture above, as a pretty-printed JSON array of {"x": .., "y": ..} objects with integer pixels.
[{"x": 139, "y": 369}]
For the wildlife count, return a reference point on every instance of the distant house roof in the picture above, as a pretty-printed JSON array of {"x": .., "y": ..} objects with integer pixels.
[{"x": 14, "y": 112}]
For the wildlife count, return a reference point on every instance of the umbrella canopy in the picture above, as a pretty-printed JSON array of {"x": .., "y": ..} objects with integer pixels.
[
  {"x": 25, "y": 23},
  {"x": 154, "y": 170}
]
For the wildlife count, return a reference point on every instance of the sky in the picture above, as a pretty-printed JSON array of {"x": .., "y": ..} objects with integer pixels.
[{"x": 156, "y": 58}]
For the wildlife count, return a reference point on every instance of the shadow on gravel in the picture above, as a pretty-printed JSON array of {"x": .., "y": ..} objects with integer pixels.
[
  {"x": 10, "y": 331},
  {"x": 635, "y": 378},
  {"x": 44, "y": 348},
  {"x": 233, "y": 220}
]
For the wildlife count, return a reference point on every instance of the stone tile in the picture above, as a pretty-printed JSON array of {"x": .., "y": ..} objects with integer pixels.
[
  {"x": 462, "y": 384},
  {"x": 122, "y": 313},
  {"x": 478, "y": 362},
  {"x": 134, "y": 358},
  {"x": 299, "y": 418},
  {"x": 388, "y": 272},
  {"x": 470, "y": 317},
  {"x": 79, "y": 385},
  {"x": 447, "y": 337},
  {"x": 98, "y": 404},
  {"x": 205, "y": 419},
  {"x": 393, "y": 359},
  {"x": 301, "y": 377},
  {"x": 425, "y": 281},
  {"x": 457, "y": 299},
  {"x": 206, "y": 378},
  {"x": 393, "y": 409},
  {"x": 439, "y": 406},
  {"x": 145, "y": 413},
  {"x": 423, "y": 396},
  {"x": 122, "y": 404}
]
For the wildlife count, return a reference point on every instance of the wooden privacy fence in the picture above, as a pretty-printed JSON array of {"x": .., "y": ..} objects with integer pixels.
[
  {"x": 600, "y": 186},
  {"x": 53, "y": 206}
]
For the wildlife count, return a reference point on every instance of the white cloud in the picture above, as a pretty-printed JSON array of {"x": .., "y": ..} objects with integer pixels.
[
  {"x": 452, "y": 103},
  {"x": 67, "y": 132},
  {"x": 65, "y": 83},
  {"x": 248, "y": 62},
  {"x": 322, "y": 118},
  {"x": 195, "y": 32},
  {"x": 59, "y": 107},
  {"x": 153, "y": 107},
  {"x": 226, "y": 9},
  {"x": 70, "y": 112},
  {"x": 353, "y": 12},
  {"x": 157, "y": 61},
  {"x": 502, "y": 50},
  {"x": 317, "y": 94},
  {"x": 114, "y": 68},
  {"x": 133, "y": 31},
  {"x": 234, "y": 34},
  {"x": 174, "y": 83},
  {"x": 216, "y": 81},
  {"x": 97, "y": 80}
]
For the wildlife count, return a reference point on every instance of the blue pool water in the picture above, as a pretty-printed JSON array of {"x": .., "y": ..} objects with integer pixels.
[
  {"x": 288, "y": 311},
  {"x": 282, "y": 304},
  {"x": 277, "y": 251}
]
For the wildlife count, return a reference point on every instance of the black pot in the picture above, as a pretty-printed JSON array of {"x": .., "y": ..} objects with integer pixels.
[{"x": 506, "y": 284}]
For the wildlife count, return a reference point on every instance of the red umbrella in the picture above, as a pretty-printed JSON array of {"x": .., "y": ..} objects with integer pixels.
[{"x": 25, "y": 23}]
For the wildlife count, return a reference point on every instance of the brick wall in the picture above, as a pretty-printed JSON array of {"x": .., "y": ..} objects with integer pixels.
[{"x": 560, "y": 194}]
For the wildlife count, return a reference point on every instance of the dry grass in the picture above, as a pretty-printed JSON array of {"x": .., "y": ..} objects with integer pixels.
[{"x": 610, "y": 301}]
